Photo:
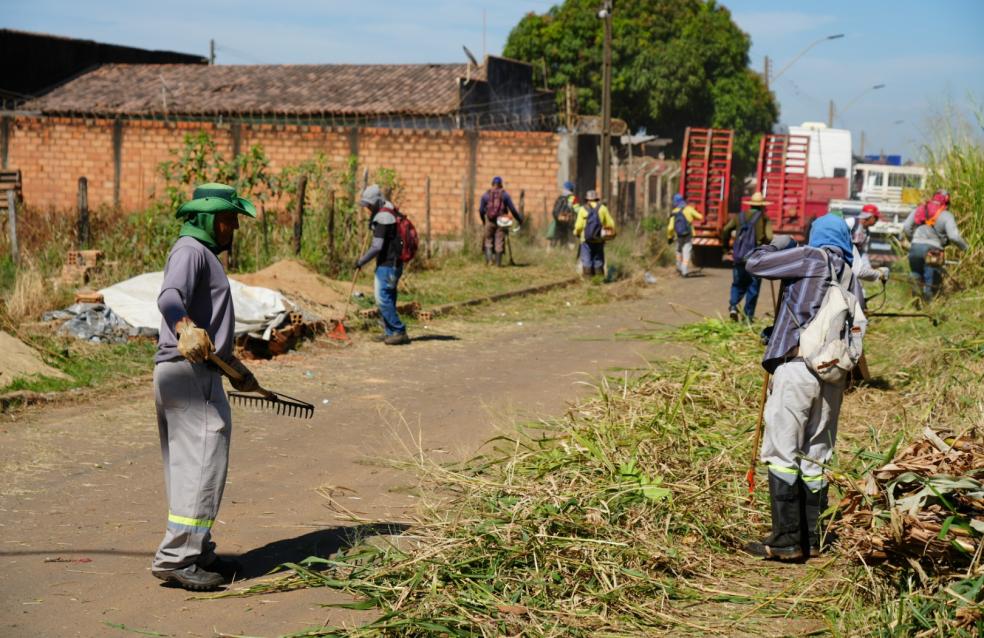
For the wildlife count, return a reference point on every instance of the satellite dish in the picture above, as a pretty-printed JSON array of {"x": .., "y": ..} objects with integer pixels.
[{"x": 471, "y": 57}]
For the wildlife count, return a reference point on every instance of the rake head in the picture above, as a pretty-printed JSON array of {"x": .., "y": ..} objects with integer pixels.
[{"x": 281, "y": 403}]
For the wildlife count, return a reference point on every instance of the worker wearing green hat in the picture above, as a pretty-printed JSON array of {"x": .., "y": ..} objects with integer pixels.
[{"x": 193, "y": 415}]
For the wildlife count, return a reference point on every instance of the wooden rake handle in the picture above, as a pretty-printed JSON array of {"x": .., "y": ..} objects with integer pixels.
[{"x": 233, "y": 374}]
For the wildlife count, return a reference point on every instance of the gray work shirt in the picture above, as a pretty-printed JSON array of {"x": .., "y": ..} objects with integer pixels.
[
  {"x": 944, "y": 231},
  {"x": 197, "y": 276},
  {"x": 804, "y": 276}
]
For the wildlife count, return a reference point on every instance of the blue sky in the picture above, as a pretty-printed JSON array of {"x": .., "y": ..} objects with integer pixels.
[{"x": 924, "y": 52}]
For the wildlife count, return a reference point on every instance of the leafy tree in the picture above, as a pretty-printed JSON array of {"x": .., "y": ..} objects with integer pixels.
[{"x": 675, "y": 63}]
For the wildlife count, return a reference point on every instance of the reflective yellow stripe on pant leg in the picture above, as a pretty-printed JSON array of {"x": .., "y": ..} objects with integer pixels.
[
  {"x": 783, "y": 470},
  {"x": 191, "y": 522}
]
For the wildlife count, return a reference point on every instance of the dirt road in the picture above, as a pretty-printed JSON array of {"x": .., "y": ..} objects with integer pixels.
[{"x": 82, "y": 493}]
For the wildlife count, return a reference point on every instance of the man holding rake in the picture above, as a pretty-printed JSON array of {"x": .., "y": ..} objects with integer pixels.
[{"x": 193, "y": 415}]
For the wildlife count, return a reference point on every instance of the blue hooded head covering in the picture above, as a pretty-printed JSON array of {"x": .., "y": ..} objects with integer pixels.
[
  {"x": 569, "y": 186},
  {"x": 678, "y": 200},
  {"x": 831, "y": 230}
]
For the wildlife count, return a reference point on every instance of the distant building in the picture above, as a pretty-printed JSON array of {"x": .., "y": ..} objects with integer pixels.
[
  {"x": 33, "y": 63},
  {"x": 499, "y": 94}
]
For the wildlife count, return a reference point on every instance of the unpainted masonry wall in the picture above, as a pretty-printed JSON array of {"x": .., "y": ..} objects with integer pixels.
[{"x": 53, "y": 152}]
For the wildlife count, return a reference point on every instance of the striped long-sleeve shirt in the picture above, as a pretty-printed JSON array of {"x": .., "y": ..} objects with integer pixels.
[{"x": 804, "y": 276}]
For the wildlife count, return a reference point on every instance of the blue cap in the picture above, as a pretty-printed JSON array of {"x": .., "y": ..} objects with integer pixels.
[
  {"x": 569, "y": 186},
  {"x": 678, "y": 199},
  {"x": 497, "y": 180}
]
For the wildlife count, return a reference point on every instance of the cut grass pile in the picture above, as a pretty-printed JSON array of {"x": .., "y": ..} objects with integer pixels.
[
  {"x": 587, "y": 525},
  {"x": 623, "y": 517}
]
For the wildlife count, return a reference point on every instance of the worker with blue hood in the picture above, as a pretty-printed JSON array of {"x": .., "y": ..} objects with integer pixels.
[{"x": 802, "y": 409}]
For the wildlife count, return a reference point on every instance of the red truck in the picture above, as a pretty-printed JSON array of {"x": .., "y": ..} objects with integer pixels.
[
  {"x": 705, "y": 180},
  {"x": 782, "y": 175}
]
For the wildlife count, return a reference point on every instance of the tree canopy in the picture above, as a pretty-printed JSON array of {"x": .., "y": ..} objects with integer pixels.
[{"x": 675, "y": 63}]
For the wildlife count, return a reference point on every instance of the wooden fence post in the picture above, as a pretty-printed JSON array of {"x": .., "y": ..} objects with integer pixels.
[
  {"x": 331, "y": 226},
  {"x": 299, "y": 213},
  {"x": 464, "y": 210},
  {"x": 546, "y": 218},
  {"x": 12, "y": 223},
  {"x": 83, "y": 230},
  {"x": 427, "y": 219}
]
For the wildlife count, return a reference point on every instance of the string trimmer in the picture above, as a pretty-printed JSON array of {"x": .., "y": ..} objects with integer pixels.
[{"x": 264, "y": 399}]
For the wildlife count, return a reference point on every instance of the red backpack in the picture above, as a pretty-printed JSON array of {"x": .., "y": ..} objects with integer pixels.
[{"x": 409, "y": 239}]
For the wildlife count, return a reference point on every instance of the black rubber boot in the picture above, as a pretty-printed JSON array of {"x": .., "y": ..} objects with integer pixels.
[
  {"x": 489, "y": 258},
  {"x": 785, "y": 541},
  {"x": 814, "y": 504},
  {"x": 193, "y": 577},
  {"x": 498, "y": 260}
]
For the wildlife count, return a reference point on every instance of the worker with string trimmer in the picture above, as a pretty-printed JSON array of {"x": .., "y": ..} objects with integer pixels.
[
  {"x": 193, "y": 415},
  {"x": 394, "y": 242}
]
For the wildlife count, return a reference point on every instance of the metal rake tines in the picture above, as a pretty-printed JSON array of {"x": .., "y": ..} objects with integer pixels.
[{"x": 281, "y": 403}]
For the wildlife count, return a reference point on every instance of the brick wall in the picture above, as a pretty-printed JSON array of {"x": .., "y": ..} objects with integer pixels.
[{"x": 52, "y": 153}]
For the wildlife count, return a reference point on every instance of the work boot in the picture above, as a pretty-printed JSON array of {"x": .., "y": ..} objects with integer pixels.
[
  {"x": 785, "y": 542},
  {"x": 227, "y": 567},
  {"x": 489, "y": 257},
  {"x": 397, "y": 339},
  {"x": 192, "y": 577},
  {"x": 814, "y": 505},
  {"x": 733, "y": 312}
]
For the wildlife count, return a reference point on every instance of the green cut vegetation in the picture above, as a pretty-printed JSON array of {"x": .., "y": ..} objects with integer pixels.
[{"x": 624, "y": 516}]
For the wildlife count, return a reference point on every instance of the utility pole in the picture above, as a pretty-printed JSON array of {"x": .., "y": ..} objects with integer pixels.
[
  {"x": 830, "y": 115},
  {"x": 211, "y": 51},
  {"x": 861, "y": 151},
  {"x": 606, "y": 106},
  {"x": 768, "y": 71}
]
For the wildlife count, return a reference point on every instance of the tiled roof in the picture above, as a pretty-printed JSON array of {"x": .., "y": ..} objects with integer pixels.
[{"x": 308, "y": 89}]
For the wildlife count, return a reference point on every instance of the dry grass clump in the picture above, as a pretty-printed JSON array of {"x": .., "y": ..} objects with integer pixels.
[
  {"x": 31, "y": 295},
  {"x": 926, "y": 504}
]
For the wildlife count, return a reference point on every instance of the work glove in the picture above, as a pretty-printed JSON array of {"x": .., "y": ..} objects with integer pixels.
[
  {"x": 193, "y": 342},
  {"x": 248, "y": 382},
  {"x": 884, "y": 272},
  {"x": 782, "y": 242}
]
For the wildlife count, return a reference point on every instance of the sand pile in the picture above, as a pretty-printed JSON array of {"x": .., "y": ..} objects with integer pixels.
[
  {"x": 19, "y": 361},
  {"x": 320, "y": 295}
]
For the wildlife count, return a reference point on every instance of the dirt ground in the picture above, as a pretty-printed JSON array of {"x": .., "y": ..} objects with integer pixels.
[{"x": 82, "y": 495}]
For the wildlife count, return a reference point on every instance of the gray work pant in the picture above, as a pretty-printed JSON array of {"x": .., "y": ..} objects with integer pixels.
[
  {"x": 800, "y": 424},
  {"x": 684, "y": 247},
  {"x": 195, "y": 423}
]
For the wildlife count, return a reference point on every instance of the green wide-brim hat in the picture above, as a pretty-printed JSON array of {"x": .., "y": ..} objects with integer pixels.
[{"x": 216, "y": 198}]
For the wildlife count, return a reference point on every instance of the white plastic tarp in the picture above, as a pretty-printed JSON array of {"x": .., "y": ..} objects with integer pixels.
[{"x": 258, "y": 310}]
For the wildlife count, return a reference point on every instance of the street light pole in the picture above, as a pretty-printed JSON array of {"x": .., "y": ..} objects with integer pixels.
[
  {"x": 606, "y": 105},
  {"x": 804, "y": 52},
  {"x": 860, "y": 95}
]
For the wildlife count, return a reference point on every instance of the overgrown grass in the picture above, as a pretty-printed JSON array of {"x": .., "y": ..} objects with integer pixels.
[
  {"x": 87, "y": 365},
  {"x": 955, "y": 157}
]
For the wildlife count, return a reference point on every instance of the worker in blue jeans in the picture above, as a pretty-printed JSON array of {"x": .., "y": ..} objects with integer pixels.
[{"x": 385, "y": 249}]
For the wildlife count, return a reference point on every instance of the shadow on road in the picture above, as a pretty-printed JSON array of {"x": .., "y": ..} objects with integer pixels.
[
  {"x": 436, "y": 338},
  {"x": 323, "y": 543}
]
